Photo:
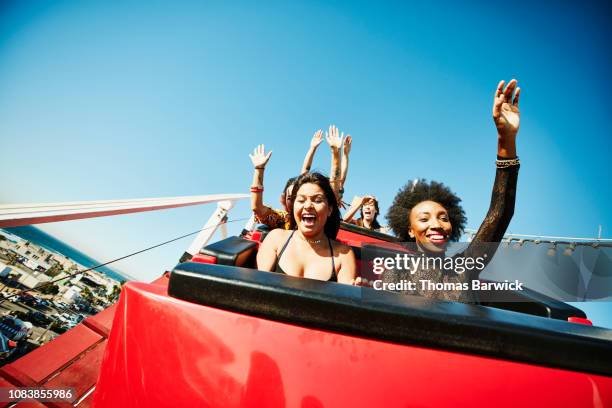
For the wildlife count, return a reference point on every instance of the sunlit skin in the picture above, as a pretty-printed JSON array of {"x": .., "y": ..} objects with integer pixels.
[
  {"x": 430, "y": 226},
  {"x": 285, "y": 199},
  {"x": 311, "y": 211},
  {"x": 369, "y": 213},
  {"x": 367, "y": 205},
  {"x": 308, "y": 253}
]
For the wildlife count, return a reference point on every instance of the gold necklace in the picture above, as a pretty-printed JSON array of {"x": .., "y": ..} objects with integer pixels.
[{"x": 310, "y": 241}]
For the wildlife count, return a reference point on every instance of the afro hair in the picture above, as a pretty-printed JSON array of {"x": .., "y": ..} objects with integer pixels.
[{"x": 416, "y": 192}]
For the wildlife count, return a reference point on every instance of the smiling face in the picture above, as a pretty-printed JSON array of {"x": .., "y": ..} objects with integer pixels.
[
  {"x": 430, "y": 226},
  {"x": 311, "y": 210}
]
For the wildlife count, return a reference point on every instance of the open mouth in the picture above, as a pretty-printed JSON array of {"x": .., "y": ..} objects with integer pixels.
[
  {"x": 437, "y": 238},
  {"x": 309, "y": 220}
]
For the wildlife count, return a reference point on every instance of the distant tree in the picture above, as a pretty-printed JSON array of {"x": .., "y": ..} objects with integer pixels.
[
  {"x": 49, "y": 289},
  {"x": 54, "y": 270},
  {"x": 20, "y": 315},
  {"x": 114, "y": 295},
  {"x": 58, "y": 327},
  {"x": 87, "y": 295},
  {"x": 12, "y": 258}
]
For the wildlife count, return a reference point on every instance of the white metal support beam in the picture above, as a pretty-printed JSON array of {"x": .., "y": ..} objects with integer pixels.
[
  {"x": 218, "y": 218},
  {"x": 14, "y": 215}
]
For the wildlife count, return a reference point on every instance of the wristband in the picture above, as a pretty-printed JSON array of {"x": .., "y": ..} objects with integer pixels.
[
  {"x": 257, "y": 189},
  {"x": 505, "y": 163}
]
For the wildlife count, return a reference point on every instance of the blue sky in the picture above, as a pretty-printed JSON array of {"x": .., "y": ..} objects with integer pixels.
[{"x": 131, "y": 99}]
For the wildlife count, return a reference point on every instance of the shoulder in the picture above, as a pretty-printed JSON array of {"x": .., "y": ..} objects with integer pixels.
[
  {"x": 278, "y": 234},
  {"x": 340, "y": 248}
]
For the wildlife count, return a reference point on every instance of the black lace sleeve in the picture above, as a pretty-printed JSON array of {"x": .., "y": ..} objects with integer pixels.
[
  {"x": 483, "y": 246},
  {"x": 492, "y": 230}
]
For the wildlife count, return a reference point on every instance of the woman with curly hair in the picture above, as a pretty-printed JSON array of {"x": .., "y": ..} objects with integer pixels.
[
  {"x": 429, "y": 214},
  {"x": 309, "y": 249}
]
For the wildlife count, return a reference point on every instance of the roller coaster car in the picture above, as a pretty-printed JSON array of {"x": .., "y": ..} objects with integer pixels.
[
  {"x": 216, "y": 332},
  {"x": 242, "y": 250}
]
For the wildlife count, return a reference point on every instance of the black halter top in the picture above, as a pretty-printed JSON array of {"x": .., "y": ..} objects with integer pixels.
[{"x": 278, "y": 268}]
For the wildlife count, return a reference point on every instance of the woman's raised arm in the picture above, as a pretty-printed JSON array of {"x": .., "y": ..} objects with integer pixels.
[
  {"x": 334, "y": 139},
  {"x": 317, "y": 138},
  {"x": 259, "y": 158},
  {"x": 506, "y": 116}
]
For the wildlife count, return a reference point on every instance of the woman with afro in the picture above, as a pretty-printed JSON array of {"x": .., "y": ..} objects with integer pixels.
[{"x": 429, "y": 214}]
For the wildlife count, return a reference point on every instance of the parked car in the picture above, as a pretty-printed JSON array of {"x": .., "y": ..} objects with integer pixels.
[
  {"x": 28, "y": 300},
  {"x": 39, "y": 319},
  {"x": 15, "y": 329},
  {"x": 45, "y": 302}
]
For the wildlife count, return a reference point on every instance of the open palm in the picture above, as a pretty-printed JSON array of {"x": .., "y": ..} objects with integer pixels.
[
  {"x": 506, "y": 114},
  {"x": 317, "y": 138},
  {"x": 334, "y": 137},
  {"x": 259, "y": 156}
]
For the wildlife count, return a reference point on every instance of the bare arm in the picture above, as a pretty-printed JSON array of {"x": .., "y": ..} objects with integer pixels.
[
  {"x": 266, "y": 256},
  {"x": 344, "y": 163},
  {"x": 355, "y": 206},
  {"x": 317, "y": 138},
  {"x": 348, "y": 266},
  {"x": 334, "y": 139},
  {"x": 259, "y": 159}
]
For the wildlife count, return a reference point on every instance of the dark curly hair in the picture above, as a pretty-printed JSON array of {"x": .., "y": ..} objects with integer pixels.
[
  {"x": 332, "y": 225},
  {"x": 414, "y": 193}
]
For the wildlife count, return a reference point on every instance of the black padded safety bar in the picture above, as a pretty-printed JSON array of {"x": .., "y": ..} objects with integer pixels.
[
  {"x": 530, "y": 302},
  {"x": 230, "y": 250},
  {"x": 397, "y": 318}
]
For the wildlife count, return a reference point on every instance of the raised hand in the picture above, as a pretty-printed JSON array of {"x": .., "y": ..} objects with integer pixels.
[
  {"x": 317, "y": 138},
  {"x": 357, "y": 201},
  {"x": 347, "y": 144},
  {"x": 506, "y": 113},
  {"x": 359, "y": 281},
  {"x": 334, "y": 138},
  {"x": 259, "y": 156},
  {"x": 367, "y": 199}
]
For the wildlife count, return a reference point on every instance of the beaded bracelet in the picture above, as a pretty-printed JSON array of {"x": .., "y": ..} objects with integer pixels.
[{"x": 505, "y": 163}]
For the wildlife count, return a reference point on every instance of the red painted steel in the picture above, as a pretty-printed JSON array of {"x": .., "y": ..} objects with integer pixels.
[
  {"x": 82, "y": 374},
  {"x": 580, "y": 320},
  {"x": 31, "y": 404},
  {"x": 43, "y": 362},
  {"x": 165, "y": 352},
  {"x": 209, "y": 259},
  {"x": 102, "y": 322},
  {"x": 354, "y": 239},
  {"x": 5, "y": 384}
]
